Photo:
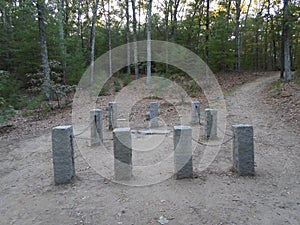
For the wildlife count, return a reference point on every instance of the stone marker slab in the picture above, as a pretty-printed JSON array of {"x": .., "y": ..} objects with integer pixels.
[
  {"x": 183, "y": 153},
  {"x": 63, "y": 154},
  {"x": 211, "y": 123},
  {"x": 112, "y": 115},
  {"x": 153, "y": 132},
  {"x": 153, "y": 114},
  {"x": 96, "y": 127},
  {"x": 243, "y": 149},
  {"x": 195, "y": 112},
  {"x": 122, "y": 153}
]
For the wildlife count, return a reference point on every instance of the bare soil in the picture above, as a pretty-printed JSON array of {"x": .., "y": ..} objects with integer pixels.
[{"x": 215, "y": 196}]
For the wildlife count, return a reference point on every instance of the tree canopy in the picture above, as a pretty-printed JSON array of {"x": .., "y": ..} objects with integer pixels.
[{"x": 231, "y": 35}]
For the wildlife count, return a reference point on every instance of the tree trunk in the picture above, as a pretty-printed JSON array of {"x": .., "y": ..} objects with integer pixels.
[
  {"x": 44, "y": 51},
  {"x": 237, "y": 35},
  {"x": 167, "y": 6},
  {"x": 89, "y": 32},
  {"x": 128, "y": 36},
  {"x": 79, "y": 26},
  {"x": 93, "y": 42},
  {"x": 207, "y": 32},
  {"x": 139, "y": 24},
  {"x": 109, "y": 39},
  {"x": 135, "y": 48},
  {"x": 62, "y": 38},
  {"x": 256, "y": 51},
  {"x": 286, "y": 42},
  {"x": 174, "y": 20},
  {"x": 3, "y": 13},
  {"x": 149, "y": 43},
  {"x": 266, "y": 66}
]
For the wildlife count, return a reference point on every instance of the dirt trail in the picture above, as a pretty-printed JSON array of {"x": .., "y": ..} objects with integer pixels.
[{"x": 29, "y": 196}]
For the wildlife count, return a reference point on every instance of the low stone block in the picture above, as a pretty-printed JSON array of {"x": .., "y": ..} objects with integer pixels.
[
  {"x": 112, "y": 115},
  {"x": 195, "y": 112},
  {"x": 211, "y": 123},
  {"x": 63, "y": 154},
  {"x": 183, "y": 159},
  {"x": 122, "y": 153},
  {"x": 153, "y": 114},
  {"x": 243, "y": 149},
  {"x": 96, "y": 127}
]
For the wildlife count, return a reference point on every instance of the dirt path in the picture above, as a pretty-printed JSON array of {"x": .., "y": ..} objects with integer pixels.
[{"x": 29, "y": 196}]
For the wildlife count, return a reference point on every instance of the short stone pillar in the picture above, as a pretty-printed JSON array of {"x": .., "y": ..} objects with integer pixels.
[
  {"x": 96, "y": 127},
  {"x": 153, "y": 114},
  {"x": 112, "y": 115},
  {"x": 122, "y": 153},
  {"x": 243, "y": 149},
  {"x": 211, "y": 123},
  {"x": 63, "y": 154},
  {"x": 183, "y": 153},
  {"x": 195, "y": 113}
]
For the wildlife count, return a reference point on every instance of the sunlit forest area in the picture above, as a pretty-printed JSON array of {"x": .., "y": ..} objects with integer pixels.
[{"x": 49, "y": 44}]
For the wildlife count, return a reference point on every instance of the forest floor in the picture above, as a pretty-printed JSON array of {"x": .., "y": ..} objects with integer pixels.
[{"x": 215, "y": 196}]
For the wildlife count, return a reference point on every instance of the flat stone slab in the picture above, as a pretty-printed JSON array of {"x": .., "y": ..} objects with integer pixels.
[{"x": 153, "y": 132}]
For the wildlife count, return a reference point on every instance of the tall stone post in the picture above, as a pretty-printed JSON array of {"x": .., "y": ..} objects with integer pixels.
[
  {"x": 112, "y": 115},
  {"x": 243, "y": 149},
  {"x": 211, "y": 123},
  {"x": 195, "y": 112},
  {"x": 183, "y": 153},
  {"x": 96, "y": 127},
  {"x": 122, "y": 153},
  {"x": 63, "y": 154},
  {"x": 153, "y": 114}
]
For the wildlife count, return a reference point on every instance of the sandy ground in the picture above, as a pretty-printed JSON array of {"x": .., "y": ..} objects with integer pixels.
[{"x": 216, "y": 196}]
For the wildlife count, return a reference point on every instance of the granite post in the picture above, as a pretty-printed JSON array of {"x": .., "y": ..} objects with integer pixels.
[
  {"x": 211, "y": 123},
  {"x": 183, "y": 154},
  {"x": 112, "y": 115},
  {"x": 243, "y": 149},
  {"x": 195, "y": 113},
  {"x": 96, "y": 127},
  {"x": 63, "y": 154},
  {"x": 153, "y": 114},
  {"x": 122, "y": 153}
]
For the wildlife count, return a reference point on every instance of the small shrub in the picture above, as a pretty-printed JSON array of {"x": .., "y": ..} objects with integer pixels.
[
  {"x": 126, "y": 79},
  {"x": 105, "y": 90},
  {"x": 6, "y": 111},
  {"x": 117, "y": 85}
]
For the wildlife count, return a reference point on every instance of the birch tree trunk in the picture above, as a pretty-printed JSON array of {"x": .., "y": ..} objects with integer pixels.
[
  {"x": 128, "y": 36},
  {"x": 149, "y": 43},
  {"x": 62, "y": 46},
  {"x": 135, "y": 48},
  {"x": 167, "y": 11},
  {"x": 109, "y": 39},
  {"x": 206, "y": 43},
  {"x": 207, "y": 32},
  {"x": 3, "y": 13},
  {"x": 44, "y": 51},
  {"x": 93, "y": 43},
  {"x": 175, "y": 5},
  {"x": 79, "y": 26},
  {"x": 237, "y": 35},
  {"x": 286, "y": 42}
]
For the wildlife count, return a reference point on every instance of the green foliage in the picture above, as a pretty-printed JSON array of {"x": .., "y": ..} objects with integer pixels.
[
  {"x": 192, "y": 88},
  {"x": 6, "y": 111},
  {"x": 105, "y": 90},
  {"x": 260, "y": 35},
  {"x": 9, "y": 96},
  {"x": 59, "y": 91},
  {"x": 117, "y": 85},
  {"x": 126, "y": 79},
  {"x": 9, "y": 90}
]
